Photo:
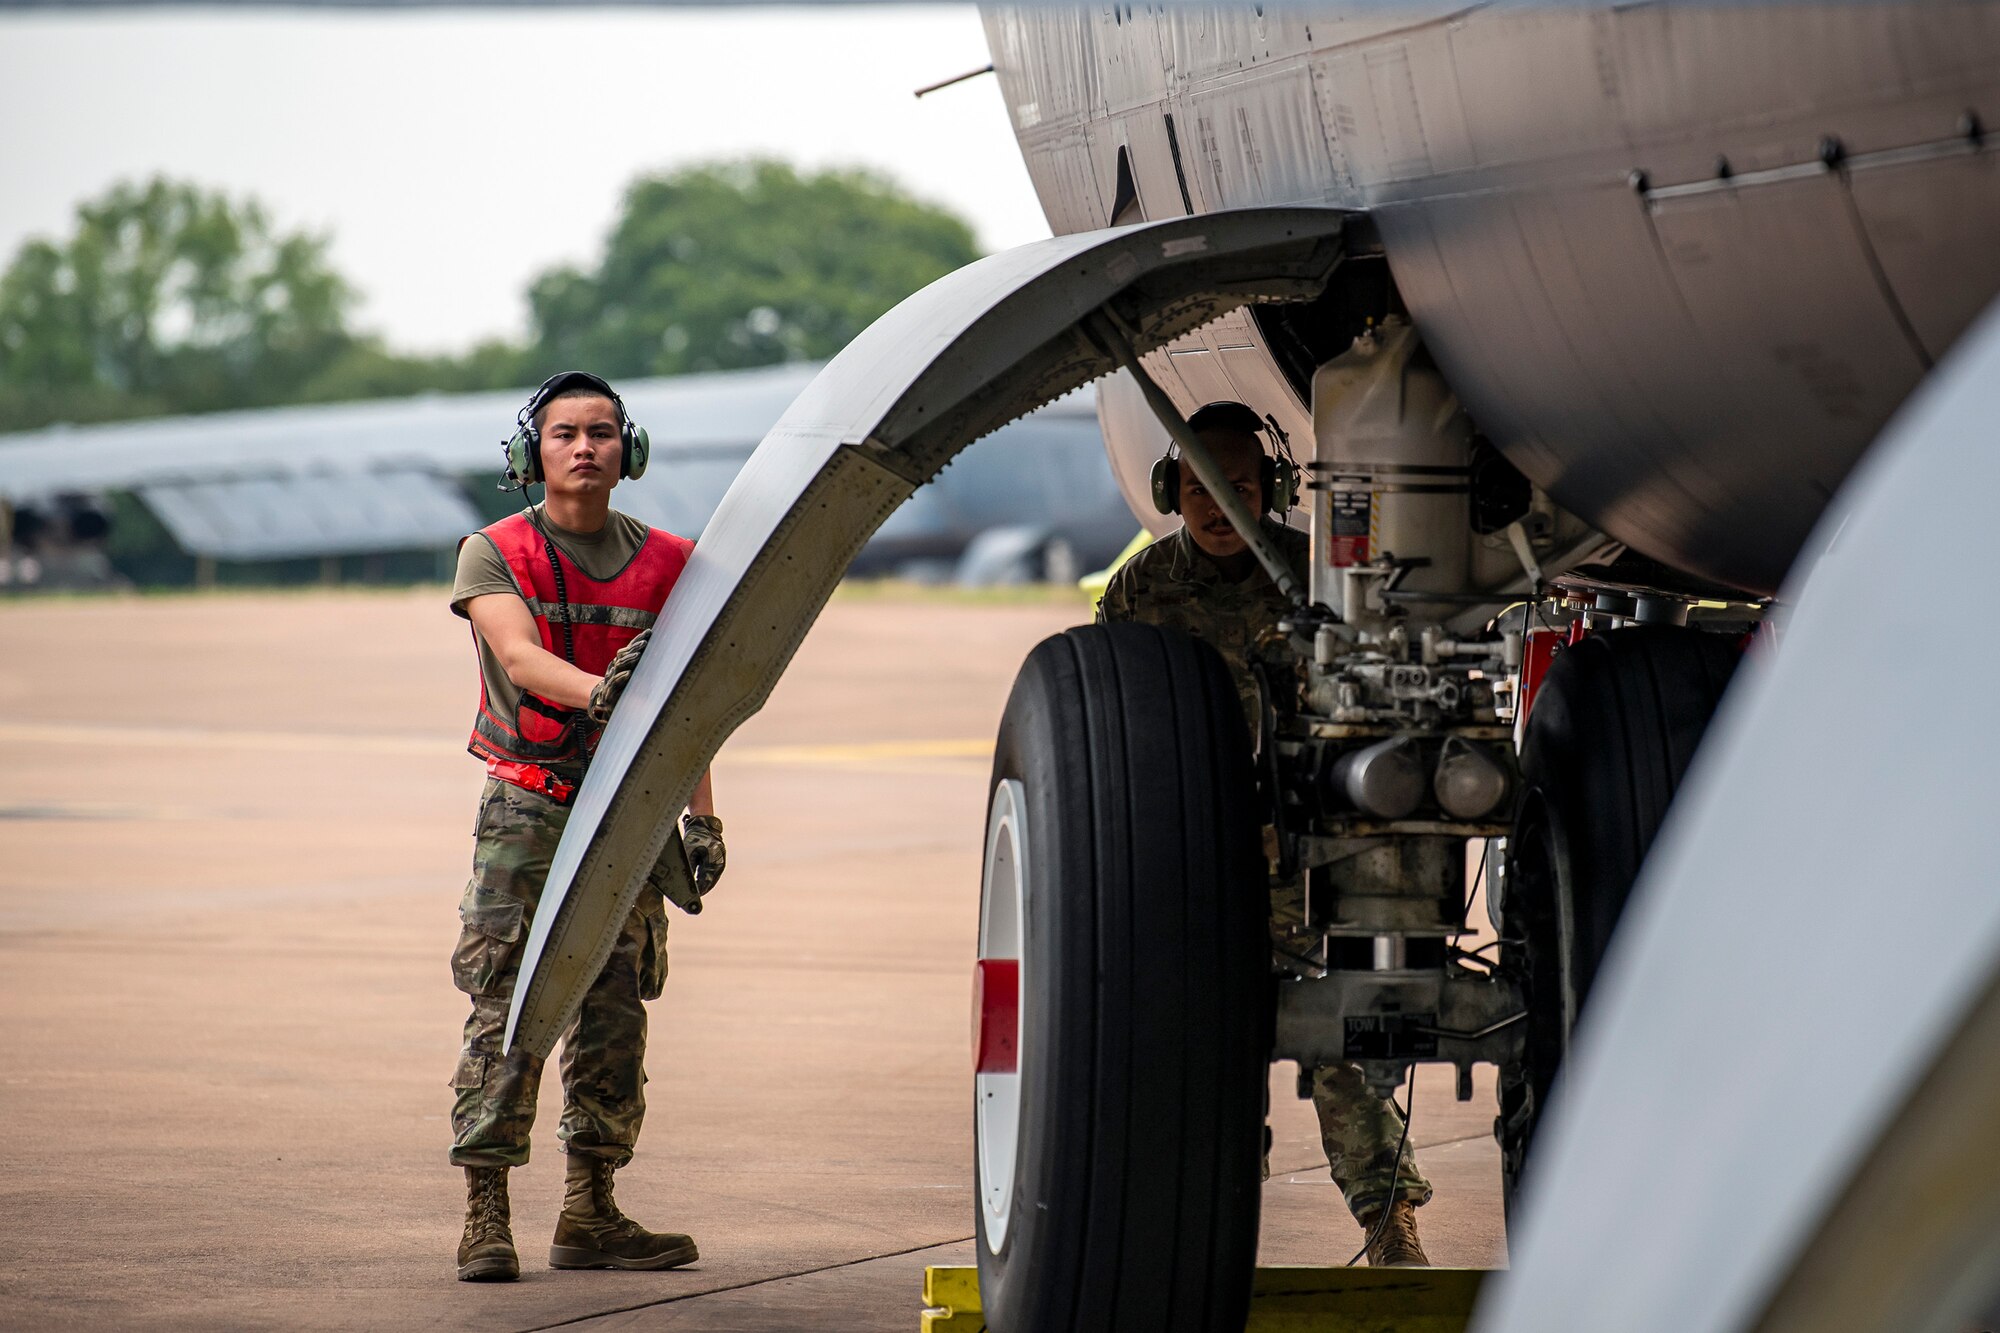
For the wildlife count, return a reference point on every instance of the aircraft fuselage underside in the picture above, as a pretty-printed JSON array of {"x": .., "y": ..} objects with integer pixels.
[{"x": 1682, "y": 264}]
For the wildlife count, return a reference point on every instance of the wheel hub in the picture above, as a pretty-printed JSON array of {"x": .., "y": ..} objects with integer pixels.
[{"x": 996, "y": 1008}]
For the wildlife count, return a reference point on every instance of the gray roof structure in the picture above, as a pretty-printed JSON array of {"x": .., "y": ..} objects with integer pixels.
[
  {"x": 276, "y": 518},
  {"x": 385, "y": 475}
]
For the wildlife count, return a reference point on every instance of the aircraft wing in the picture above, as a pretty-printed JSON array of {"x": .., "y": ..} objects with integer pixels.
[
  {"x": 1780, "y": 1111},
  {"x": 958, "y": 360},
  {"x": 390, "y": 475}
]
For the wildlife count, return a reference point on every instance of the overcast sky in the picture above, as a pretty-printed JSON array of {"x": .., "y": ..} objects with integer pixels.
[{"x": 455, "y": 154}]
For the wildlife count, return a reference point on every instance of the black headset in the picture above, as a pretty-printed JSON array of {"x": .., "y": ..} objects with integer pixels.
[
  {"x": 524, "y": 449},
  {"x": 1279, "y": 474}
]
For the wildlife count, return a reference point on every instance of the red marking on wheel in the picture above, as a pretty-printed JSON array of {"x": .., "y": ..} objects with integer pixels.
[{"x": 996, "y": 1015}]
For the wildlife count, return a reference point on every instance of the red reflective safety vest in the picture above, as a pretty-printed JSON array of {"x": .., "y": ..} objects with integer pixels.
[{"x": 604, "y": 616}]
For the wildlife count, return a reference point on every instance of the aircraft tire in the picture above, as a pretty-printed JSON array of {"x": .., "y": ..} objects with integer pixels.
[
  {"x": 1145, "y": 994},
  {"x": 1610, "y": 737}
]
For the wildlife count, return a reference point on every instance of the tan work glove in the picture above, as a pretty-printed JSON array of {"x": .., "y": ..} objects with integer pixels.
[
  {"x": 702, "y": 836},
  {"x": 604, "y": 694}
]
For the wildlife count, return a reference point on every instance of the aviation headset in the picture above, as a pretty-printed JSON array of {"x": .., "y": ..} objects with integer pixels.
[
  {"x": 524, "y": 449},
  {"x": 1279, "y": 474}
]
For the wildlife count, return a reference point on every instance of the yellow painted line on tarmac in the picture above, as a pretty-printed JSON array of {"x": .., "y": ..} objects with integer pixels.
[
  {"x": 862, "y": 753},
  {"x": 222, "y": 738}
]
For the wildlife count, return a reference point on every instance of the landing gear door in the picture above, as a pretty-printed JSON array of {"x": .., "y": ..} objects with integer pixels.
[{"x": 959, "y": 359}]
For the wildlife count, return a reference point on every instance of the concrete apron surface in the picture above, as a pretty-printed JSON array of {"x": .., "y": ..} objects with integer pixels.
[{"x": 233, "y": 834}]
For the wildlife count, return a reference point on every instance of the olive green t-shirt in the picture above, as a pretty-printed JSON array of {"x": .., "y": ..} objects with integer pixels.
[{"x": 481, "y": 570}]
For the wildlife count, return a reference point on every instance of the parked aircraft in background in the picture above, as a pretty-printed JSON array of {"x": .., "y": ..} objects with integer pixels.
[{"x": 417, "y": 474}]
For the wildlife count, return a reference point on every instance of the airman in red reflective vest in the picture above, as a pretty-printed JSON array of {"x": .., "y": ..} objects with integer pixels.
[{"x": 562, "y": 599}]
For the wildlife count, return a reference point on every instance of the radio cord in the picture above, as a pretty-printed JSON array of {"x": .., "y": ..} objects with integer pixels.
[
  {"x": 562, "y": 587},
  {"x": 1389, "y": 1203}
]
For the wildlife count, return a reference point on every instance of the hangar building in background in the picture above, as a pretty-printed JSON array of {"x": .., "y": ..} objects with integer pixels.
[{"x": 410, "y": 476}]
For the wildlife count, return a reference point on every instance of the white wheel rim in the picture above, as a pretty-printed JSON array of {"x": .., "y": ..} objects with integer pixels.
[{"x": 997, "y": 1097}]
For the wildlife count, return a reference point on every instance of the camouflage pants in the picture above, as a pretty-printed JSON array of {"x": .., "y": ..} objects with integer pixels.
[
  {"x": 1359, "y": 1130},
  {"x": 603, "y": 1059}
]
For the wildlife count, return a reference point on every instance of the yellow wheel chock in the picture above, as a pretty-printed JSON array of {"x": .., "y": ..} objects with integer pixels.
[{"x": 1290, "y": 1299}]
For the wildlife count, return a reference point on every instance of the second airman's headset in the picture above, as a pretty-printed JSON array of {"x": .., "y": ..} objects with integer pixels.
[
  {"x": 1276, "y": 469},
  {"x": 524, "y": 449}
]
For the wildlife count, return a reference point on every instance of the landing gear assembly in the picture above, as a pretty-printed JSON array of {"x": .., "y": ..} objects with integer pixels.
[
  {"x": 1133, "y": 984},
  {"x": 1119, "y": 1130},
  {"x": 1614, "y": 727}
]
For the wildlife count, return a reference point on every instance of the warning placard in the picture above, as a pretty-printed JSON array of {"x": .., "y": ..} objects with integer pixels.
[{"x": 1348, "y": 528}]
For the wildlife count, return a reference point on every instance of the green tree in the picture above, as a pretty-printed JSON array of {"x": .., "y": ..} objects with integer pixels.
[
  {"x": 367, "y": 369},
  {"x": 166, "y": 298},
  {"x": 742, "y": 264}
]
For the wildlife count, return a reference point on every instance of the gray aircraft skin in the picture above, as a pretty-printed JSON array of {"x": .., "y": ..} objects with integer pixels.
[
  {"x": 1688, "y": 359},
  {"x": 1681, "y": 263}
]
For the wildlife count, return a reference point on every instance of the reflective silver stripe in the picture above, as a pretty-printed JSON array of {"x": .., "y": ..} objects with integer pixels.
[
  {"x": 586, "y": 613},
  {"x": 523, "y": 750}
]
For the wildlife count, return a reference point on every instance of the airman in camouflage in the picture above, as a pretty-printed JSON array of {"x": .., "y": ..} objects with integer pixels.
[
  {"x": 603, "y": 1085},
  {"x": 1204, "y": 581},
  {"x": 572, "y": 574},
  {"x": 1175, "y": 584}
]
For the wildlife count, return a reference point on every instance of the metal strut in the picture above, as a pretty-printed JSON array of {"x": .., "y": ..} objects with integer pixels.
[{"x": 1109, "y": 332}]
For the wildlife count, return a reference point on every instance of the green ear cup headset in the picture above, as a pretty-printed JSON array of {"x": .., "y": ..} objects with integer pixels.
[
  {"x": 1279, "y": 474},
  {"x": 524, "y": 449}
]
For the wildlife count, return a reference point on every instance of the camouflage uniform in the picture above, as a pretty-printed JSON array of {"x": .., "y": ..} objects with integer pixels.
[
  {"x": 603, "y": 1061},
  {"x": 1173, "y": 583}
]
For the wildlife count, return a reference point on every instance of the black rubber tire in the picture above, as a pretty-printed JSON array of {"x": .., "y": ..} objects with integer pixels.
[
  {"x": 1148, "y": 1000},
  {"x": 1610, "y": 737}
]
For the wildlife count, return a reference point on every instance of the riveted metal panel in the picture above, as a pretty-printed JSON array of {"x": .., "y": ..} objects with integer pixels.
[
  {"x": 1534, "y": 87},
  {"x": 1260, "y": 140},
  {"x": 1574, "y": 288},
  {"x": 1637, "y": 358},
  {"x": 1065, "y": 179},
  {"x": 1777, "y": 278},
  {"x": 1762, "y": 82},
  {"x": 1045, "y": 59},
  {"x": 1930, "y": 221},
  {"x": 1130, "y": 72}
]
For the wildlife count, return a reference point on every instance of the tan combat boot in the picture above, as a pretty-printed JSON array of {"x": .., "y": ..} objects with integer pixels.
[
  {"x": 1393, "y": 1243},
  {"x": 486, "y": 1251},
  {"x": 592, "y": 1233}
]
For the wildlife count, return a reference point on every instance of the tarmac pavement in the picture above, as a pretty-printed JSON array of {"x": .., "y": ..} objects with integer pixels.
[{"x": 233, "y": 833}]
